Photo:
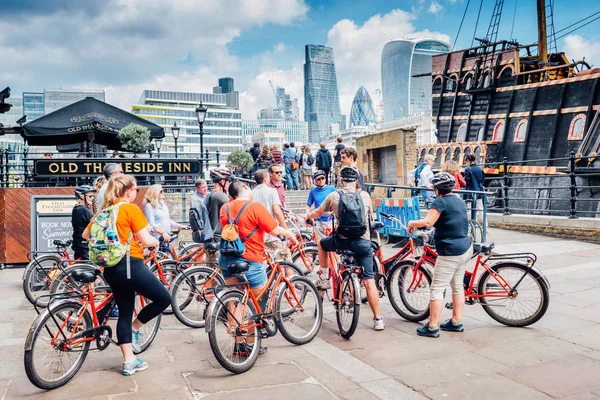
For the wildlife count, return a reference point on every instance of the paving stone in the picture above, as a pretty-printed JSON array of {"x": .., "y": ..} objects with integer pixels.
[
  {"x": 554, "y": 322},
  {"x": 500, "y": 334},
  {"x": 445, "y": 369},
  {"x": 568, "y": 287},
  {"x": 582, "y": 396},
  {"x": 190, "y": 356},
  {"x": 484, "y": 387},
  {"x": 390, "y": 389},
  {"x": 219, "y": 380},
  {"x": 327, "y": 376},
  {"x": 561, "y": 377},
  {"x": 300, "y": 391},
  {"x": 589, "y": 337},
  {"x": 173, "y": 337},
  {"x": 355, "y": 394}
]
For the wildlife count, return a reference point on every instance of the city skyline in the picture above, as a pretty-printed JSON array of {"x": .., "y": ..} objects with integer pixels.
[{"x": 147, "y": 47}]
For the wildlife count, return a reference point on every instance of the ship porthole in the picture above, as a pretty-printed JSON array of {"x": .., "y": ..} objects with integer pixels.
[{"x": 577, "y": 127}]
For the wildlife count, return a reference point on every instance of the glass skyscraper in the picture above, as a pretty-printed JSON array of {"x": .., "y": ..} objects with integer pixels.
[
  {"x": 55, "y": 99},
  {"x": 294, "y": 131},
  {"x": 321, "y": 99},
  {"x": 401, "y": 60},
  {"x": 33, "y": 105},
  {"x": 362, "y": 113},
  {"x": 222, "y": 126}
]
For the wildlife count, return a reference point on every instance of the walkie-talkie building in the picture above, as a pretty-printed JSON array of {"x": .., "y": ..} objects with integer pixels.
[{"x": 321, "y": 99}]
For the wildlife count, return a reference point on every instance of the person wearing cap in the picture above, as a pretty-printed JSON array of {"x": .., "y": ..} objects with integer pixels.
[
  {"x": 361, "y": 247},
  {"x": 448, "y": 215},
  {"x": 80, "y": 218},
  {"x": 316, "y": 197}
]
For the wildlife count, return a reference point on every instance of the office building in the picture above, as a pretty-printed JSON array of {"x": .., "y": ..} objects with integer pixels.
[
  {"x": 321, "y": 98},
  {"x": 362, "y": 113},
  {"x": 421, "y": 122},
  {"x": 294, "y": 131},
  {"x": 270, "y": 138},
  {"x": 9, "y": 119},
  {"x": 33, "y": 105},
  {"x": 226, "y": 87},
  {"x": 222, "y": 126},
  {"x": 55, "y": 99},
  {"x": 406, "y": 76},
  {"x": 285, "y": 107}
]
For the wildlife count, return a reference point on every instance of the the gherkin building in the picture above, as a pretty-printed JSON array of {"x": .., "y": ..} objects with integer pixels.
[{"x": 362, "y": 113}]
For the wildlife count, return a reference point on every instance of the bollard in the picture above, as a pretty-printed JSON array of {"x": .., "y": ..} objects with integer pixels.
[
  {"x": 6, "y": 167},
  {"x": 573, "y": 187},
  {"x": 505, "y": 186}
]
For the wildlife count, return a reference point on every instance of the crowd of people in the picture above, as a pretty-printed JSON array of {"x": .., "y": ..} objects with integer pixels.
[{"x": 260, "y": 220}]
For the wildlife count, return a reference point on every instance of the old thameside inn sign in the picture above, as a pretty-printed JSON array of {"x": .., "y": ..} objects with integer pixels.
[{"x": 134, "y": 166}]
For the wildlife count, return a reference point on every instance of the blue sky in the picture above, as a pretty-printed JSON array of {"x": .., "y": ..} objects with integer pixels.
[{"x": 125, "y": 46}]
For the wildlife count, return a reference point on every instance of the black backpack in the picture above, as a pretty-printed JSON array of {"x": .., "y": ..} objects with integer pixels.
[
  {"x": 352, "y": 222},
  {"x": 200, "y": 224}
]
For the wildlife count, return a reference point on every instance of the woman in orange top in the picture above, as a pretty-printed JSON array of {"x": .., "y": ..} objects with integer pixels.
[
  {"x": 130, "y": 220},
  {"x": 453, "y": 169}
]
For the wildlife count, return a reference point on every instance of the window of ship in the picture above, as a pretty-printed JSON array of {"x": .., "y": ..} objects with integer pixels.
[
  {"x": 461, "y": 136},
  {"x": 456, "y": 156},
  {"x": 521, "y": 131},
  {"x": 487, "y": 80},
  {"x": 480, "y": 134},
  {"x": 498, "y": 132},
  {"x": 422, "y": 156},
  {"x": 478, "y": 155},
  {"x": 577, "y": 127},
  {"x": 450, "y": 83},
  {"x": 448, "y": 154},
  {"x": 467, "y": 152},
  {"x": 438, "y": 158},
  {"x": 469, "y": 82}
]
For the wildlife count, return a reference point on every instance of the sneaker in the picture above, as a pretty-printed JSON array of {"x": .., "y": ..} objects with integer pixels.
[
  {"x": 245, "y": 349},
  {"x": 379, "y": 325},
  {"x": 114, "y": 313},
  {"x": 136, "y": 338},
  {"x": 452, "y": 326},
  {"x": 130, "y": 368},
  {"x": 323, "y": 284},
  {"x": 426, "y": 330}
]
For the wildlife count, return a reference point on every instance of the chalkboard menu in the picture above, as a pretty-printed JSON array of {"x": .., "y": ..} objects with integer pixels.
[{"x": 50, "y": 220}]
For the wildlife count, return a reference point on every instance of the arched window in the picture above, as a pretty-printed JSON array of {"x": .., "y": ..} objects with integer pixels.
[
  {"x": 451, "y": 83},
  {"x": 478, "y": 155},
  {"x": 456, "y": 156},
  {"x": 468, "y": 82},
  {"x": 480, "y": 134},
  {"x": 487, "y": 80},
  {"x": 521, "y": 131},
  {"x": 438, "y": 157},
  {"x": 448, "y": 154},
  {"x": 577, "y": 127},
  {"x": 431, "y": 151},
  {"x": 466, "y": 152},
  {"x": 461, "y": 136},
  {"x": 498, "y": 132},
  {"x": 422, "y": 156}
]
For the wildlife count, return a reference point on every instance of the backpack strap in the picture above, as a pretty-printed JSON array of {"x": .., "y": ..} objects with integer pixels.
[{"x": 238, "y": 217}]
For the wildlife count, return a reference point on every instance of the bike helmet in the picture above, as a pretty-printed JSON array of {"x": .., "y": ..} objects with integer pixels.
[
  {"x": 318, "y": 173},
  {"x": 349, "y": 174},
  {"x": 443, "y": 182},
  {"x": 82, "y": 190},
  {"x": 218, "y": 174}
]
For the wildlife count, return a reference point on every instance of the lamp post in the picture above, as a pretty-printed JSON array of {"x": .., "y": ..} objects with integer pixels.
[
  {"x": 201, "y": 116},
  {"x": 158, "y": 146},
  {"x": 175, "y": 131}
]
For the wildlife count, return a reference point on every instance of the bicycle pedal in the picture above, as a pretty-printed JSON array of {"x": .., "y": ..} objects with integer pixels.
[{"x": 449, "y": 306}]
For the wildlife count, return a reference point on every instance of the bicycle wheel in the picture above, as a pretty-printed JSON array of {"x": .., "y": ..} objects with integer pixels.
[
  {"x": 475, "y": 231},
  {"x": 50, "y": 363},
  {"x": 301, "y": 319},
  {"x": 191, "y": 294},
  {"x": 347, "y": 307},
  {"x": 191, "y": 248},
  {"x": 409, "y": 290},
  {"x": 149, "y": 329},
  {"x": 526, "y": 306},
  {"x": 37, "y": 278},
  {"x": 170, "y": 270},
  {"x": 234, "y": 347},
  {"x": 309, "y": 258}
]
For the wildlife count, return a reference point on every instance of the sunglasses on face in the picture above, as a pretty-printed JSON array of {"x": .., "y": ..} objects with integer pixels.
[
  {"x": 321, "y": 178},
  {"x": 277, "y": 172}
]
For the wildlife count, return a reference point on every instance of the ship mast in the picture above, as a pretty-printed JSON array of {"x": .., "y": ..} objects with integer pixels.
[{"x": 542, "y": 39}]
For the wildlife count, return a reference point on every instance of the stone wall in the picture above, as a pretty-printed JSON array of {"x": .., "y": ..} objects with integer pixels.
[{"x": 406, "y": 157}]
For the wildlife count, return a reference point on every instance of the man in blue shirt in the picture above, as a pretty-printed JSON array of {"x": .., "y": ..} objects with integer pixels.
[
  {"x": 316, "y": 197},
  {"x": 291, "y": 166}
]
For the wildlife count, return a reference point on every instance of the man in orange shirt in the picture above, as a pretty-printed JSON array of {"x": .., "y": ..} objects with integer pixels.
[{"x": 254, "y": 222}]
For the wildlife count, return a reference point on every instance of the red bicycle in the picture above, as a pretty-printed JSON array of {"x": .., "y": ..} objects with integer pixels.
[{"x": 512, "y": 290}]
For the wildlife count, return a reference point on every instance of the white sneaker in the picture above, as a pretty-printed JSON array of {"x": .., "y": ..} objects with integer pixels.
[{"x": 378, "y": 324}]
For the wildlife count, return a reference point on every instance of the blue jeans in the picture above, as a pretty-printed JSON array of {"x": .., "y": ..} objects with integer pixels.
[
  {"x": 291, "y": 176},
  {"x": 428, "y": 196},
  {"x": 363, "y": 252},
  {"x": 256, "y": 275}
]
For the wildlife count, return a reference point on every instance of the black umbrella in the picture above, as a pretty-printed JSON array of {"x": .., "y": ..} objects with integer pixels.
[{"x": 88, "y": 120}]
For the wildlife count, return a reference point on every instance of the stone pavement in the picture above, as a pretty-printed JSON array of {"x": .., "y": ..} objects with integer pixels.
[{"x": 559, "y": 357}]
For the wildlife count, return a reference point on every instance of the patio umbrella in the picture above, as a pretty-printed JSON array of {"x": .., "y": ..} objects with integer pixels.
[{"x": 88, "y": 120}]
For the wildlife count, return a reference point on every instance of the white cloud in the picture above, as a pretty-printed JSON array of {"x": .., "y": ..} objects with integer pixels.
[
  {"x": 576, "y": 47},
  {"x": 435, "y": 8}
]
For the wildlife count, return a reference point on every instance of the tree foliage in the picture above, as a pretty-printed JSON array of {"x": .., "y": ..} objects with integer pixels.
[
  {"x": 135, "y": 138},
  {"x": 240, "y": 161}
]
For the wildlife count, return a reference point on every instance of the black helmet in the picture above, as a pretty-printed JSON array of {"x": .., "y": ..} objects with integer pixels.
[
  {"x": 443, "y": 182},
  {"x": 82, "y": 190},
  {"x": 218, "y": 174},
  {"x": 349, "y": 173},
  {"x": 318, "y": 173}
]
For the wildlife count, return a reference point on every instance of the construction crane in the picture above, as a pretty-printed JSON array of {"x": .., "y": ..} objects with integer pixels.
[{"x": 278, "y": 100}]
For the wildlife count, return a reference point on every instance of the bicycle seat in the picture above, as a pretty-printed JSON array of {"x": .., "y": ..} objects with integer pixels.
[
  {"x": 485, "y": 247},
  {"x": 62, "y": 243},
  {"x": 238, "y": 268},
  {"x": 376, "y": 225},
  {"x": 84, "y": 275},
  {"x": 211, "y": 247}
]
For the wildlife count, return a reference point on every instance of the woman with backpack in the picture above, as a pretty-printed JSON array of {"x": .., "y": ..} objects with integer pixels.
[
  {"x": 157, "y": 213},
  {"x": 308, "y": 164},
  {"x": 129, "y": 276}
]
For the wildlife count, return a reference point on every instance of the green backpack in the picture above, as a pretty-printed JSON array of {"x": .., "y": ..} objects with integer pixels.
[{"x": 106, "y": 249}]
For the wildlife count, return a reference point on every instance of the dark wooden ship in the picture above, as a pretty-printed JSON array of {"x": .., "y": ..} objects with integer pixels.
[{"x": 502, "y": 99}]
